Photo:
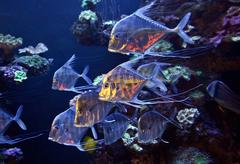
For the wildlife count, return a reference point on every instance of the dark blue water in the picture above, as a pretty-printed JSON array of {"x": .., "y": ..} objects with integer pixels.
[{"x": 49, "y": 21}]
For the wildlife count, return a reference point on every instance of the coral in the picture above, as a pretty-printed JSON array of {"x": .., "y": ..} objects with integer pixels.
[
  {"x": 89, "y": 4},
  {"x": 229, "y": 29},
  {"x": 12, "y": 73},
  {"x": 163, "y": 46},
  {"x": 88, "y": 15},
  {"x": 172, "y": 74},
  {"x": 11, "y": 153},
  {"x": 20, "y": 76},
  {"x": 187, "y": 116},
  {"x": 7, "y": 44},
  {"x": 190, "y": 155},
  {"x": 98, "y": 80},
  {"x": 35, "y": 63},
  {"x": 40, "y": 48}
]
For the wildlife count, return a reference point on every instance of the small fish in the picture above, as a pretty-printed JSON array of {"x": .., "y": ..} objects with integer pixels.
[
  {"x": 91, "y": 144},
  {"x": 224, "y": 96},
  {"x": 6, "y": 119},
  {"x": 64, "y": 132},
  {"x": 137, "y": 33},
  {"x": 65, "y": 78},
  {"x": 90, "y": 110},
  {"x": 151, "y": 126},
  {"x": 114, "y": 127}
]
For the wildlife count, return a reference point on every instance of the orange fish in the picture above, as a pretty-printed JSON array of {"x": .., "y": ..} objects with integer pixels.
[{"x": 137, "y": 33}]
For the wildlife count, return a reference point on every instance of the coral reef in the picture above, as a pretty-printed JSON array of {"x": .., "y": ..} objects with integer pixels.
[
  {"x": 13, "y": 73},
  {"x": 35, "y": 64},
  {"x": 187, "y": 116},
  {"x": 191, "y": 155},
  {"x": 89, "y": 28},
  {"x": 10, "y": 155},
  {"x": 8, "y": 43},
  {"x": 39, "y": 49}
]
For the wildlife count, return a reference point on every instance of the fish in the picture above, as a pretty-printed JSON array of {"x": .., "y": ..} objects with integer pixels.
[
  {"x": 90, "y": 110},
  {"x": 64, "y": 132},
  {"x": 114, "y": 126},
  {"x": 120, "y": 84},
  {"x": 6, "y": 119},
  {"x": 152, "y": 125},
  {"x": 137, "y": 33},
  {"x": 65, "y": 78},
  {"x": 224, "y": 96},
  {"x": 123, "y": 85}
]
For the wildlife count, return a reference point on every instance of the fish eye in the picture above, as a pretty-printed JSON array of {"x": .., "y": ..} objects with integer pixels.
[
  {"x": 106, "y": 85},
  {"x": 117, "y": 36},
  {"x": 56, "y": 127}
]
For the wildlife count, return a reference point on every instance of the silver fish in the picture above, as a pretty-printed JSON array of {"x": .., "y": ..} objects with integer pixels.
[
  {"x": 6, "y": 119},
  {"x": 114, "y": 127},
  {"x": 65, "y": 78},
  {"x": 137, "y": 33},
  {"x": 64, "y": 132},
  {"x": 224, "y": 96}
]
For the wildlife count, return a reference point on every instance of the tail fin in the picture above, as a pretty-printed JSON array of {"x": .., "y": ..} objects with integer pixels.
[
  {"x": 180, "y": 27},
  {"x": 18, "y": 120},
  {"x": 84, "y": 75}
]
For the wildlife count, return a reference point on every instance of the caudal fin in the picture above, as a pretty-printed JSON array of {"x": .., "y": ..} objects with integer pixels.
[
  {"x": 181, "y": 26},
  {"x": 84, "y": 75},
  {"x": 18, "y": 120}
]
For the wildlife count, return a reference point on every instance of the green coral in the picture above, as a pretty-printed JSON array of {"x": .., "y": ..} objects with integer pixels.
[
  {"x": 20, "y": 76},
  {"x": 35, "y": 63},
  {"x": 163, "y": 46},
  {"x": 85, "y": 3},
  {"x": 191, "y": 155},
  {"x": 10, "y": 40},
  {"x": 172, "y": 74},
  {"x": 98, "y": 80},
  {"x": 88, "y": 15}
]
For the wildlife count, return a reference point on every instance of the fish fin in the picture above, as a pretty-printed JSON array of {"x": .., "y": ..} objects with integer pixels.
[
  {"x": 18, "y": 120},
  {"x": 94, "y": 132},
  {"x": 70, "y": 61},
  {"x": 180, "y": 27},
  {"x": 17, "y": 140},
  {"x": 79, "y": 147},
  {"x": 84, "y": 75}
]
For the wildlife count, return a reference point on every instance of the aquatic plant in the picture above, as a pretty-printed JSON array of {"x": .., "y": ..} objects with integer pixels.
[
  {"x": 89, "y": 16},
  {"x": 191, "y": 155},
  {"x": 187, "y": 116},
  {"x": 35, "y": 63},
  {"x": 20, "y": 76}
]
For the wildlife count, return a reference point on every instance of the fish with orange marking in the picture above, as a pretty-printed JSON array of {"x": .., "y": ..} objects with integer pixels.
[
  {"x": 65, "y": 78},
  {"x": 137, "y": 33}
]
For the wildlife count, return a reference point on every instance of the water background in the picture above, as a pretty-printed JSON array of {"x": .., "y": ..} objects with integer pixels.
[{"x": 49, "y": 21}]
